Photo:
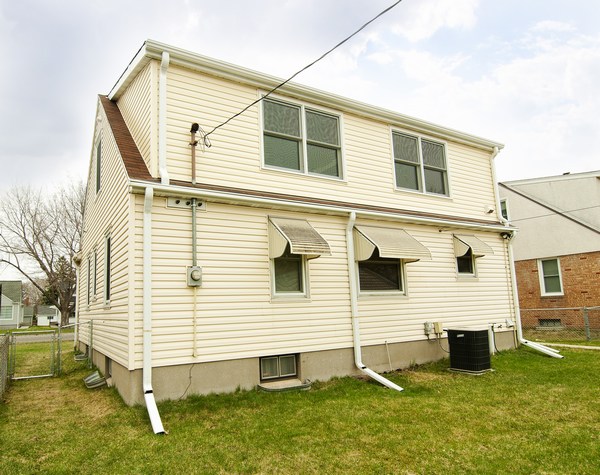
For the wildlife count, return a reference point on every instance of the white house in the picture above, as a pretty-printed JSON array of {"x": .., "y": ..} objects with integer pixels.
[
  {"x": 315, "y": 237},
  {"x": 11, "y": 304}
]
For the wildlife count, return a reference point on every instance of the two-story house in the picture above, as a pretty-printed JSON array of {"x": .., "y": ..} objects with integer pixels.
[
  {"x": 315, "y": 237},
  {"x": 557, "y": 249}
]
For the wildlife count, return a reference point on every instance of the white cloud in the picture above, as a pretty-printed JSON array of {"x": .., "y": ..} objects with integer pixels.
[{"x": 421, "y": 20}]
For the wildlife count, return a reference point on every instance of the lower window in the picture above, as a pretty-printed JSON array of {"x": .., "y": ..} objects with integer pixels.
[
  {"x": 465, "y": 263},
  {"x": 379, "y": 273},
  {"x": 273, "y": 367},
  {"x": 289, "y": 273}
]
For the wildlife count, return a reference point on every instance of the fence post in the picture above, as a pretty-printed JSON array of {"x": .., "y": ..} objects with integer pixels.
[{"x": 586, "y": 322}]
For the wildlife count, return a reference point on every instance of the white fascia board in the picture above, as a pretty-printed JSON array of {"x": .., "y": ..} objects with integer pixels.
[
  {"x": 152, "y": 50},
  {"x": 138, "y": 187}
]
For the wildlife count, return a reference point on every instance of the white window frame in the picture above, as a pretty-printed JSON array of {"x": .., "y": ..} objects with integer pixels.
[
  {"x": 89, "y": 279},
  {"x": 504, "y": 201},
  {"x": 305, "y": 294},
  {"x": 392, "y": 292},
  {"x": 107, "y": 269},
  {"x": 303, "y": 139},
  {"x": 473, "y": 265},
  {"x": 279, "y": 375},
  {"x": 98, "y": 152},
  {"x": 541, "y": 277},
  {"x": 422, "y": 188}
]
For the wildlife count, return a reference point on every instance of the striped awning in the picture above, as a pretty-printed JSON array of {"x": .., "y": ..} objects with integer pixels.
[
  {"x": 299, "y": 234},
  {"x": 464, "y": 242},
  {"x": 393, "y": 243}
]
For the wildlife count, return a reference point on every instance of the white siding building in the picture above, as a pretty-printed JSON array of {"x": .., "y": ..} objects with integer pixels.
[{"x": 327, "y": 232}]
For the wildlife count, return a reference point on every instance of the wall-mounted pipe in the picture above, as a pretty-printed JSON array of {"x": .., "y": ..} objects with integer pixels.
[
  {"x": 162, "y": 119},
  {"x": 354, "y": 309},
  {"x": 155, "y": 420},
  {"x": 194, "y": 144}
]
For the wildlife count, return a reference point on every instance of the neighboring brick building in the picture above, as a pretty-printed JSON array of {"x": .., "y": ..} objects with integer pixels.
[{"x": 557, "y": 248}]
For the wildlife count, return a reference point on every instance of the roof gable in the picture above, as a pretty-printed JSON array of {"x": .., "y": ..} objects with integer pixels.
[
  {"x": 132, "y": 158},
  {"x": 12, "y": 289}
]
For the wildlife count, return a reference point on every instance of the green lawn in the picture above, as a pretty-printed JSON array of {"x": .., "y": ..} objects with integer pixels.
[{"x": 532, "y": 415}]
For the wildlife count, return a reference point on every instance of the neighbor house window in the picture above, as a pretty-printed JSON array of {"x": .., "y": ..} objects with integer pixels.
[
  {"x": 107, "y": 276},
  {"x": 380, "y": 274},
  {"x": 301, "y": 139},
  {"x": 98, "y": 164},
  {"x": 550, "y": 278},
  {"x": 288, "y": 273},
  {"x": 420, "y": 164},
  {"x": 273, "y": 367}
]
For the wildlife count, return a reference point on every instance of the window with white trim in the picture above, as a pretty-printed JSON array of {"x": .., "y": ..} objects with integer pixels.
[
  {"x": 107, "y": 274},
  {"x": 98, "y": 164},
  {"x": 380, "y": 274},
  {"x": 89, "y": 280},
  {"x": 504, "y": 208},
  {"x": 465, "y": 264},
  {"x": 550, "y": 277},
  {"x": 301, "y": 139},
  {"x": 278, "y": 367},
  {"x": 289, "y": 273},
  {"x": 420, "y": 164}
]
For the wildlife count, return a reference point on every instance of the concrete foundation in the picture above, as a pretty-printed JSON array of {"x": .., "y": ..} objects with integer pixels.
[{"x": 178, "y": 382}]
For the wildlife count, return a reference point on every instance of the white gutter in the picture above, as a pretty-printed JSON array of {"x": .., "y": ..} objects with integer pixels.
[
  {"x": 354, "y": 309},
  {"x": 183, "y": 191},
  {"x": 157, "y": 426},
  {"x": 513, "y": 275},
  {"x": 162, "y": 119}
]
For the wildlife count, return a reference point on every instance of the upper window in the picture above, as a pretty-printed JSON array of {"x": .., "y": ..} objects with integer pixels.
[
  {"x": 301, "y": 139},
  {"x": 420, "y": 164},
  {"x": 465, "y": 264},
  {"x": 107, "y": 275},
  {"x": 379, "y": 273},
  {"x": 98, "y": 164},
  {"x": 504, "y": 208},
  {"x": 550, "y": 278}
]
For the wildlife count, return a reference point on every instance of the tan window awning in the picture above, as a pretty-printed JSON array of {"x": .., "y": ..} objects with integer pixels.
[
  {"x": 393, "y": 243},
  {"x": 299, "y": 234},
  {"x": 464, "y": 242}
]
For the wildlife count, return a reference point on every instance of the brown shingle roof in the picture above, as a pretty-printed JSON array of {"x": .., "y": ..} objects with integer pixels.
[{"x": 132, "y": 158}]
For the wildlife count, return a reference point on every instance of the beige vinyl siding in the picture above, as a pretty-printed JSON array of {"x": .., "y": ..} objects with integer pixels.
[
  {"x": 237, "y": 317},
  {"x": 235, "y": 158},
  {"x": 137, "y": 106},
  {"x": 107, "y": 213},
  {"x": 435, "y": 291}
]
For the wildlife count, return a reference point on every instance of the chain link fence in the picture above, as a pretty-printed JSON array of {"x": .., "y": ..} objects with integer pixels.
[
  {"x": 4, "y": 345},
  {"x": 562, "y": 325}
]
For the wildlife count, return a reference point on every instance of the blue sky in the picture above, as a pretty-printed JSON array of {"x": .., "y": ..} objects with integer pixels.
[{"x": 521, "y": 73}]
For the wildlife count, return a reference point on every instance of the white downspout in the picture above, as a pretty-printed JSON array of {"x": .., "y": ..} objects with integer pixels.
[
  {"x": 354, "y": 309},
  {"x": 513, "y": 275},
  {"x": 157, "y": 426},
  {"x": 162, "y": 120}
]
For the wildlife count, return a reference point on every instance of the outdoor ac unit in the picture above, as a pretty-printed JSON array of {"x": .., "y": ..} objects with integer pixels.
[{"x": 469, "y": 350}]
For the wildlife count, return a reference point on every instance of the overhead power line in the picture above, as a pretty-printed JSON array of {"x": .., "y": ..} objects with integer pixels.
[{"x": 383, "y": 12}]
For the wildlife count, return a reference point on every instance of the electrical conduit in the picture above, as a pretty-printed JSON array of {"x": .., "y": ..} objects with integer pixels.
[
  {"x": 354, "y": 309},
  {"x": 155, "y": 420}
]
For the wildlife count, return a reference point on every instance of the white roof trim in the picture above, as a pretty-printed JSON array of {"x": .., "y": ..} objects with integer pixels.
[
  {"x": 392, "y": 243},
  {"x": 152, "y": 50},
  {"x": 299, "y": 234},
  {"x": 464, "y": 242}
]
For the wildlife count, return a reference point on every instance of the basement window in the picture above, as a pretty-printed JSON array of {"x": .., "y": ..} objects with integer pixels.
[
  {"x": 278, "y": 367},
  {"x": 549, "y": 322}
]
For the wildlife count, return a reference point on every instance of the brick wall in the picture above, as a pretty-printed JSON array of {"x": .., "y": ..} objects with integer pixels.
[{"x": 581, "y": 288}]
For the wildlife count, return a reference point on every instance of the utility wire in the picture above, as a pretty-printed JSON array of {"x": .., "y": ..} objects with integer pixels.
[
  {"x": 554, "y": 214},
  {"x": 205, "y": 137}
]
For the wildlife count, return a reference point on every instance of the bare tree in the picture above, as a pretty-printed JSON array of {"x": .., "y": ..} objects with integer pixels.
[{"x": 40, "y": 236}]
